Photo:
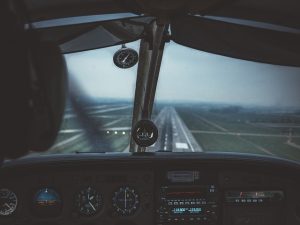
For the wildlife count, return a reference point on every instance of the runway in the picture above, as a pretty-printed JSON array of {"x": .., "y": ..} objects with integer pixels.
[{"x": 173, "y": 135}]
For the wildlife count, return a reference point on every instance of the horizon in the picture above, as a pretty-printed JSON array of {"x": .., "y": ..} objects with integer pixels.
[
  {"x": 221, "y": 80},
  {"x": 211, "y": 104}
]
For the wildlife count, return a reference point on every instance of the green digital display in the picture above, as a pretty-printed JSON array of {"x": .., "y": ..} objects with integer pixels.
[{"x": 186, "y": 210}]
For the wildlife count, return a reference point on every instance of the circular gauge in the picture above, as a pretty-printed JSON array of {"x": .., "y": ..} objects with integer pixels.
[
  {"x": 8, "y": 202},
  {"x": 145, "y": 133},
  {"x": 88, "y": 202},
  {"x": 125, "y": 201},
  {"x": 126, "y": 58},
  {"x": 47, "y": 202}
]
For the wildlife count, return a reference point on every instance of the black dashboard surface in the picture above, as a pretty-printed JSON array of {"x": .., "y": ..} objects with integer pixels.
[{"x": 156, "y": 188}]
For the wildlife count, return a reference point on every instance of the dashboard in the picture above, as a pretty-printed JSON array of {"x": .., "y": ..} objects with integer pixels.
[{"x": 156, "y": 189}]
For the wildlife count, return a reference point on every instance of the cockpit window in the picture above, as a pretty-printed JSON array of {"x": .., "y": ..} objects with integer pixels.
[
  {"x": 99, "y": 107},
  {"x": 206, "y": 102}
]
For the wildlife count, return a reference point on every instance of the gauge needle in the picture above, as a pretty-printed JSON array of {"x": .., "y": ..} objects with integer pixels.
[
  {"x": 8, "y": 206},
  {"x": 91, "y": 198},
  {"x": 88, "y": 195},
  {"x": 93, "y": 207},
  {"x": 124, "y": 60},
  {"x": 125, "y": 199}
]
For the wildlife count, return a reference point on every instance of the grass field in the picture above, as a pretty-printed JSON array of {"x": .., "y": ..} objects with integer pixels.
[
  {"x": 224, "y": 143},
  {"x": 246, "y": 131},
  {"x": 296, "y": 140},
  {"x": 277, "y": 146}
]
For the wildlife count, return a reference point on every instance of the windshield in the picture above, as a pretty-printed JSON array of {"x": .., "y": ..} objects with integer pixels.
[
  {"x": 204, "y": 103},
  {"x": 99, "y": 106}
]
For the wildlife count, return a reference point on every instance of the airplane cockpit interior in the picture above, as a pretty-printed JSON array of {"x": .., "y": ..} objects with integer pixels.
[{"x": 150, "y": 112}]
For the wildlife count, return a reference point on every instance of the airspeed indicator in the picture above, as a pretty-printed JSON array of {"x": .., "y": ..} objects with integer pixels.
[{"x": 8, "y": 202}]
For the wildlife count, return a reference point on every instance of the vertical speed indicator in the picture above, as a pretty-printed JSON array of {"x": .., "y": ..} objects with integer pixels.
[{"x": 125, "y": 201}]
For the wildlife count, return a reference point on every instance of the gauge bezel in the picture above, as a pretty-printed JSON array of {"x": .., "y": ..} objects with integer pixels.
[
  {"x": 124, "y": 66},
  {"x": 36, "y": 211},
  {"x": 118, "y": 210},
  {"x": 16, "y": 204},
  {"x": 76, "y": 208}
]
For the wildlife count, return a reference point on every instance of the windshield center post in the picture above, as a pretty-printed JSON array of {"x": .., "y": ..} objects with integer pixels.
[{"x": 147, "y": 75}]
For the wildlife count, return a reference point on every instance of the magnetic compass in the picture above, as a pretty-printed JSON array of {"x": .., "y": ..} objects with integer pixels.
[
  {"x": 145, "y": 133},
  {"x": 125, "y": 57}
]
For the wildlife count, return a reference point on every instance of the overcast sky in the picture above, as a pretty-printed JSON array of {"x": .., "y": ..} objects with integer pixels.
[{"x": 190, "y": 75}]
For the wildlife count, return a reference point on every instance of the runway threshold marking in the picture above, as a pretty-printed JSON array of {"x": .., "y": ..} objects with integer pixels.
[{"x": 181, "y": 145}]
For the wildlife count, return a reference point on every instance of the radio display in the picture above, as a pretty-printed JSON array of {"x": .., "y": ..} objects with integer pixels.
[
  {"x": 188, "y": 203},
  {"x": 186, "y": 210},
  {"x": 253, "y": 196}
]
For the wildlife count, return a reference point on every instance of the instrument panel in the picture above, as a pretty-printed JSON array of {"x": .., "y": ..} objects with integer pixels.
[
  {"x": 79, "y": 197},
  {"x": 151, "y": 195}
]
